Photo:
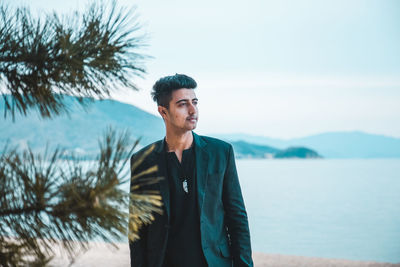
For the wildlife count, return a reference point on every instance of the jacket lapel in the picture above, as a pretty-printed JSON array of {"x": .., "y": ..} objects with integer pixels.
[{"x": 201, "y": 169}]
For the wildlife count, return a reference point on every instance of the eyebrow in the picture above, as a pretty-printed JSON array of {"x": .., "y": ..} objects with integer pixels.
[{"x": 185, "y": 100}]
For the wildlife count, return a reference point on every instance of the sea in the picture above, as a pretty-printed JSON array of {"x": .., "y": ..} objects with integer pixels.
[{"x": 334, "y": 208}]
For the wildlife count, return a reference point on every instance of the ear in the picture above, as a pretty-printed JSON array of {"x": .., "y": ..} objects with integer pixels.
[{"x": 163, "y": 111}]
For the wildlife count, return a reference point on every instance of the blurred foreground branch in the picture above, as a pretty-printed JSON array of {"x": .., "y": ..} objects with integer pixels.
[{"x": 46, "y": 200}]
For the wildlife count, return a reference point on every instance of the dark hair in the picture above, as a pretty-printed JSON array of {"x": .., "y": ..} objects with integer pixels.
[{"x": 163, "y": 88}]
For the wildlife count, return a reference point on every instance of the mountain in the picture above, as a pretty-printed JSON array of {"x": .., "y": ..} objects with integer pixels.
[
  {"x": 80, "y": 130},
  {"x": 332, "y": 144}
]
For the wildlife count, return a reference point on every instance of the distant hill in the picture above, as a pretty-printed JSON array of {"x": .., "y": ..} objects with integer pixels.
[
  {"x": 333, "y": 144},
  {"x": 297, "y": 152},
  {"x": 248, "y": 150},
  {"x": 80, "y": 130}
]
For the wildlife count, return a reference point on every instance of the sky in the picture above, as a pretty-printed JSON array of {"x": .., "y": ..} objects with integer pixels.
[{"x": 282, "y": 69}]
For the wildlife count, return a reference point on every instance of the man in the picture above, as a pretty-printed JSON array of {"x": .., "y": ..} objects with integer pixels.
[{"x": 204, "y": 222}]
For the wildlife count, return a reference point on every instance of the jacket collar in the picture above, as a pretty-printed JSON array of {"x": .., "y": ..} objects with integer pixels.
[{"x": 198, "y": 142}]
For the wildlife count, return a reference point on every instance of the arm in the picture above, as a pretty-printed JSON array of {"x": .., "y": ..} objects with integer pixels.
[
  {"x": 138, "y": 247},
  {"x": 137, "y": 250},
  {"x": 235, "y": 215}
]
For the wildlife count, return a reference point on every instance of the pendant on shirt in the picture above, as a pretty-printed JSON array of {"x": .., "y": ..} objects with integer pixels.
[{"x": 185, "y": 186}]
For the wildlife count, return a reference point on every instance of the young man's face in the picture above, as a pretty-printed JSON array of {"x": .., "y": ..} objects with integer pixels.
[{"x": 182, "y": 114}]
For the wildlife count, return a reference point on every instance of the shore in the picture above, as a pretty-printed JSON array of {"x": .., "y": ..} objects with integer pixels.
[{"x": 101, "y": 254}]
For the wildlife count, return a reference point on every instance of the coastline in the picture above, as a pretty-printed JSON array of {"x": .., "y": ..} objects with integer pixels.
[
  {"x": 101, "y": 254},
  {"x": 278, "y": 260}
]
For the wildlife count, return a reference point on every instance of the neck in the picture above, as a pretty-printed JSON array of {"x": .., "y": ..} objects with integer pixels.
[{"x": 179, "y": 142}]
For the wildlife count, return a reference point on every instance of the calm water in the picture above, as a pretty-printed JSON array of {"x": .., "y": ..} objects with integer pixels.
[{"x": 324, "y": 208}]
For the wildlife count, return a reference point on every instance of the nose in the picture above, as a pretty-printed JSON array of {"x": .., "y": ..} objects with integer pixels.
[{"x": 192, "y": 109}]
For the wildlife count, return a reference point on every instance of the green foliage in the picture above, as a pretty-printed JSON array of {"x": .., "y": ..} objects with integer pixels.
[
  {"x": 46, "y": 200},
  {"x": 143, "y": 202},
  {"x": 83, "y": 54}
]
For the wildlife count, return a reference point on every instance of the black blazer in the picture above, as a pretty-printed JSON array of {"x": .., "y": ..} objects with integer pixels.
[{"x": 224, "y": 230}]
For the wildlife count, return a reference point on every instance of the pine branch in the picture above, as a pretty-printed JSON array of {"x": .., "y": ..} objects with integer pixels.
[
  {"x": 46, "y": 199},
  {"x": 85, "y": 54},
  {"x": 144, "y": 203}
]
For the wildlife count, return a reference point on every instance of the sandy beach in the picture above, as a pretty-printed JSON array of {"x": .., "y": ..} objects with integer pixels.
[{"x": 105, "y": 255}]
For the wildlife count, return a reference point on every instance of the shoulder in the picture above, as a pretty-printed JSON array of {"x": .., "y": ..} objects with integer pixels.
[
  {"x": 220, "y": 153},
  {"x": 151, "y": 148},
  {"x": 214, "y": 143}
]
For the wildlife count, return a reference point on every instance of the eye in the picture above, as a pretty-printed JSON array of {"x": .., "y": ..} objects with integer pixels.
[{"x": 195, "y": 102}]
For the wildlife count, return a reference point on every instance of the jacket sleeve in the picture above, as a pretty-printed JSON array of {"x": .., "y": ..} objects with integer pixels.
[
  {"x": 137, "y": 250},
  {"x": 235, "y": 215},
  {"x": 138, "y": 247}
]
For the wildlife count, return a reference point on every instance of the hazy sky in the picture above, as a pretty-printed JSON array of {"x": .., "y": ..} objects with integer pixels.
[{"x": 275, "y": 68}]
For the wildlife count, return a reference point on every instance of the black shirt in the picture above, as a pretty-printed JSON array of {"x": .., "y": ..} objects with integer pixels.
[{"x": 184, "y": 242}]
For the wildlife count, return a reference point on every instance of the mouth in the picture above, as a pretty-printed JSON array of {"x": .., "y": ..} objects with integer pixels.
[{"x": 192, "y": 119}]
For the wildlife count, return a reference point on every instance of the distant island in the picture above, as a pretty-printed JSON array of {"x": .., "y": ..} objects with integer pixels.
[
  {"x": 297, "y": 152},
  {"x": 339, "y": 145},
  {"x": 248, "y": 150}
]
